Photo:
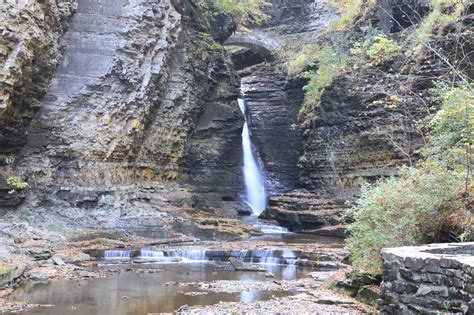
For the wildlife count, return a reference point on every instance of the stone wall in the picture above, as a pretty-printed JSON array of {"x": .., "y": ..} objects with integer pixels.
[{"x": 428, "y": 279}]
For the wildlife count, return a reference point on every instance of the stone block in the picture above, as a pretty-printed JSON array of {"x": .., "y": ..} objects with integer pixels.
[
  {"x": 414, "y": 263},
  {"x": 449, "y": 263}
]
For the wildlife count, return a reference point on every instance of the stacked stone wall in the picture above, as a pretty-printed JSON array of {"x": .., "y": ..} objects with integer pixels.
[{"x": 428, "y": 279}]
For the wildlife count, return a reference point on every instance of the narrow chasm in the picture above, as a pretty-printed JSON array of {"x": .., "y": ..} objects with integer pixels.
[{"x": 236, "y": 157}]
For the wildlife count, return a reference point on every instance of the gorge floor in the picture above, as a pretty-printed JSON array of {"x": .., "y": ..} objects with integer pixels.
[{"x": 144, "y": 276}]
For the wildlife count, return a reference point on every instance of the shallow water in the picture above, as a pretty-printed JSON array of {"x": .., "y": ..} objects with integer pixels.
[{"x": 143, "y": 293}]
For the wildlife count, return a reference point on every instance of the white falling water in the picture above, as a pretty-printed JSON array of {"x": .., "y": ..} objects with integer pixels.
[
  {"x": 190, "y": 255},
  {"x": 117, "y": 254},
  {"x": 150, "y": 254},
  {"x": 255, "y": 194},
  {"x": 271, "y": 229}
]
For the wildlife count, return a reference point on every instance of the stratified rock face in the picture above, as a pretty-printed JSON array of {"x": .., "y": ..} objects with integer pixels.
[
  {"x": 144, "y": 95},
  {"x": 298, "y": 17},
  {"x": 273, "y": 101},
  {"x": 30, "y": 49},
  {"x": 273, "y": 108},
  {"x": 351, "y": 141},
  {"x": 306, "y": 212}
]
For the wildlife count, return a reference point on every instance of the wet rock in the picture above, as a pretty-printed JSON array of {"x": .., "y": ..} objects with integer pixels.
[
  {"x": 81, "y": 273},
  {"x": 58, "y": 261},
  {"x": 9, "y": 274},
  {"x": 38, "y": 276},
  {"x": 241, "y": 266},
  {"x": 39, "y": 253},
  {"x": 309, "y": 213},
  {"x": 76, "y": 258}
]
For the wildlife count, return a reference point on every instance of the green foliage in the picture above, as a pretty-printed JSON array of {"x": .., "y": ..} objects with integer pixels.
[
  {"x": 399, "y": 211},
  {"x": 299, "y": 61},
  {"x": 377, "y": 49},
  {"x": 244, "y": 11},
  {"x": 349, "y": 11},
  {"x": 16, "y": 184},
  {"x": 330, "y": 64},
  {"x": 421, "y": 202},
  {"x": 442, "y": 13},
  {"x": 447, "y": 305},
  {"x": 451, "y": 130}
]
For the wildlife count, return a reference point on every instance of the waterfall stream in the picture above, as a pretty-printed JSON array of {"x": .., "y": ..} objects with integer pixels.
[{"x": 255, "y": 193}]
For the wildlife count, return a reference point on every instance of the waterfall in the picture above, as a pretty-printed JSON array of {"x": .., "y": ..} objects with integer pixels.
[
  {"x": 271, "y": 229},
  {"x": 117, "y": 254},
  {"x": 190, "y": 255},
  {"x": 150, "y": 254},
  {"x": 255, "y": 193}
]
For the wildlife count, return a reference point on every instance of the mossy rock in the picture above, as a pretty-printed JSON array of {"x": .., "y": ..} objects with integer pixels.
[
  {"x": 8, "y": 274},
  {"x": 369, "y": 295}
]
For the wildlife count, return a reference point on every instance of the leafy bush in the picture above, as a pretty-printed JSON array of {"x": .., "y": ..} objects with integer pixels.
[
  {"x": 406, "y": 210},
  {"x": 299, "y": 61},
  {"x": 349, "y": 11},
  {"x": 244, "y": 11},
  {"x": 423, "y": 202},
  {"x": 16, "y": 184},
  {"x": 376, "y": 49},
  {"x": 451, "y": 129}
]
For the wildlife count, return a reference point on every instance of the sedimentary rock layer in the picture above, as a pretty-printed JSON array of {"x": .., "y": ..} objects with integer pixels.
[{"x": 144, "y": 95}]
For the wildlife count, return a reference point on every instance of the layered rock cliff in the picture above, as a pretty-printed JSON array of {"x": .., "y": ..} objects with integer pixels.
[
  {"x": 140, "y": 114},
  {"x": 30, "y": 49},
  {"x": 364, "y": 125}
]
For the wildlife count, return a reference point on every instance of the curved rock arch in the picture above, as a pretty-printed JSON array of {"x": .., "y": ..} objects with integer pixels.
[{"x": 255, "y": 40}]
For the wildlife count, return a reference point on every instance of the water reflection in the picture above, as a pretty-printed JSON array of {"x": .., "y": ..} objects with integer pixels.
[{"x": 142, "y": 293}]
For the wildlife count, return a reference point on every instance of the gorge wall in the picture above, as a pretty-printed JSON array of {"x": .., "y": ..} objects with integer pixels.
[
  {"x": 126, "y": 111},
  {"x": 364, "y": 124},
  {"x": 140, "y": 113}
]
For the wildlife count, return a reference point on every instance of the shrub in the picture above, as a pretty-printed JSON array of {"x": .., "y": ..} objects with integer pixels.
[
  {"x": 16, "y": 184},
  {"x": 349, "y": 11},
  {"x": 376, "y": 49},
  {"x": 398, "y": 211},
  {"x": 298, "y": 62},
  {"x": 451, "y": 129},
  {"x": 425, "y": 202}
]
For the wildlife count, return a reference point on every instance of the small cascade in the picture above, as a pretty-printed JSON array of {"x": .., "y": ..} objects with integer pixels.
[
  {"x": 255, "y": 192},
  {"x": 273, "y": 257},
  {"x": 271, "y": 229},
  {"x": 289, "y": 256},
  {"x": 150, "y": 254},
  {"x": 117, "y": 254},
  {"x": 190, "y": 255},
  {"x": 239, "y": 254}
]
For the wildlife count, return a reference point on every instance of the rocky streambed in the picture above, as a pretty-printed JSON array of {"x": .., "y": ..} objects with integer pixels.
[{"x": 113, "y": 273}]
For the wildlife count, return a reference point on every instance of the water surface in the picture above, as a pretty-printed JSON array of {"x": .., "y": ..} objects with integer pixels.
[{"x": 143, "y": 293}]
